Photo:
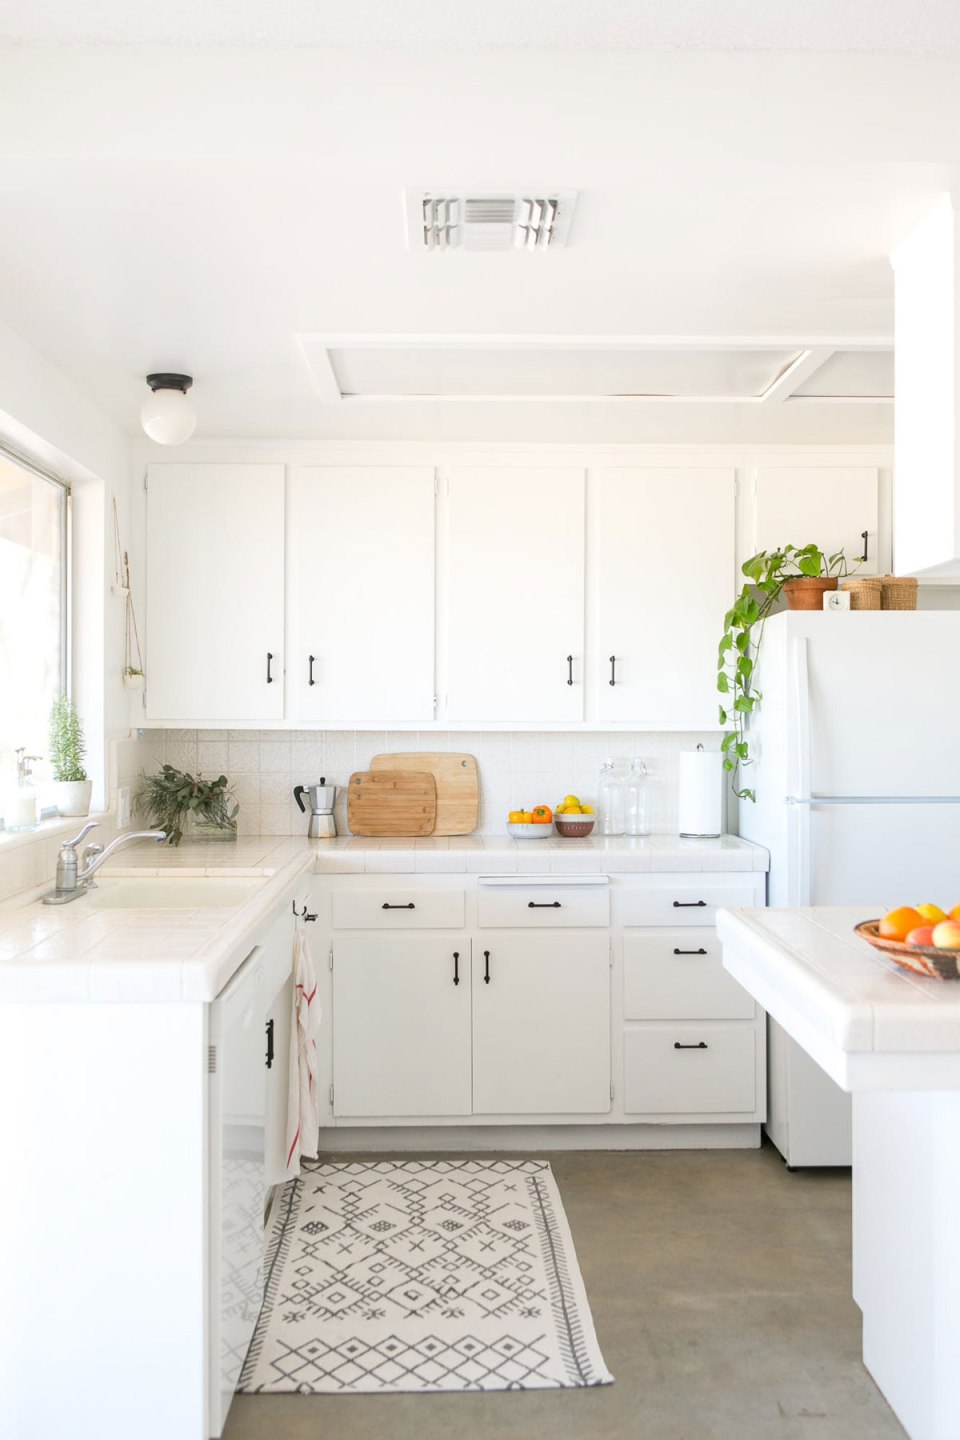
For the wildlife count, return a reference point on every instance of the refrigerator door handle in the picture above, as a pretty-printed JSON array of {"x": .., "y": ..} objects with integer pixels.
[
  {"x": 872, "y": 800},
  {"x": 800, "y": 816}
]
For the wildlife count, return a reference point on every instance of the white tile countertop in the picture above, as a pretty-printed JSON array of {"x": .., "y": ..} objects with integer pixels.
[
  {"x": 79, "y": 952},
  {"x": 870, "y": 1024}
]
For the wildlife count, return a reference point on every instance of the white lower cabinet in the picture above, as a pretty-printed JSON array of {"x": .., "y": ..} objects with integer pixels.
[
  {"x": 401, "y": 1025},
  {"x": 551, "y": 1000},
  {"x": 541, "y": 1024}
]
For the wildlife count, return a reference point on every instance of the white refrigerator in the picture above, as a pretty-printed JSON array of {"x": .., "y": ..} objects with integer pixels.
[{"x": 856, "y": 748}]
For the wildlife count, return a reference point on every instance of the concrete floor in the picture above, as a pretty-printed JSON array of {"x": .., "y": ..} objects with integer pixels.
[{"x": 720, "y": 1288}]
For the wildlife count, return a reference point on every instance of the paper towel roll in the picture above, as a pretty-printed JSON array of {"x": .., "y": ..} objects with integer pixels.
[{"x": 700, "y": 808}]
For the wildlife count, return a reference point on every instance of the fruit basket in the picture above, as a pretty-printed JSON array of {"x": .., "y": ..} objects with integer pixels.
[
  {"x": 921, "y": 959},
  {"x": 574, "y": 827}
]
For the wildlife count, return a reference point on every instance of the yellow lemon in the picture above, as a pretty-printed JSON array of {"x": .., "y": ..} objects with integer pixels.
[
  {"x": 587, "y": 810},
  {"x": 570, "y": 800},
  {"x": 931, "y": 913}
]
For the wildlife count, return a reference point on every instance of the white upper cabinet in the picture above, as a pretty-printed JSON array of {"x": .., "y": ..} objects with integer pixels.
[
  {"x": 825, "y": 505},
  {"x": 360, "y": 588},
  {"x": 662, "y": 578},
  {"x": 514, "y": 577},
  {"x": 214, "y": 608}
]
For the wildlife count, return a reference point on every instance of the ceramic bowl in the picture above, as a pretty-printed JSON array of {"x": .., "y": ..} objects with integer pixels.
[
  {"x": 574, "y": 827},
  {"x": 530, "y": 831}
]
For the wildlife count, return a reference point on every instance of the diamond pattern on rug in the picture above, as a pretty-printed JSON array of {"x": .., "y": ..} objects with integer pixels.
[{"x": 422, "y": 1275}]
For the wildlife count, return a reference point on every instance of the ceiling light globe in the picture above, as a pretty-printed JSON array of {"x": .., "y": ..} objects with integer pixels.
[{"x": 168, "y": 417}]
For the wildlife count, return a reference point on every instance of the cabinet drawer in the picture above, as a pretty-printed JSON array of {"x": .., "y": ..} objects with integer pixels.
[
  {"x": 544, "y": 906},
  {"x": 411, "y": 909},
  {"x": 673, "y": 975},
  {"x": 688, "y": 900},
  {"x": 663, "y": 1075}
]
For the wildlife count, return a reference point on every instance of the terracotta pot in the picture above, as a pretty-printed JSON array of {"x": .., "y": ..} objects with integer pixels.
[{"x": 806, "y": 592}]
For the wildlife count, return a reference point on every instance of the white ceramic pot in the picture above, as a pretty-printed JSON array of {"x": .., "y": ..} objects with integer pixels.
[
  {"x": 72, "y": 797},
  {"x": 134, "y": 682}
]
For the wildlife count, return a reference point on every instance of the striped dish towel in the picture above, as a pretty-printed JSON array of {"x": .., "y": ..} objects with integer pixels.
[{"x": 303, "y": 1103}]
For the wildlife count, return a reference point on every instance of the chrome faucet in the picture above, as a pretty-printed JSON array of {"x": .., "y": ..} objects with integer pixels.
[{"x": 75, "y": 876}]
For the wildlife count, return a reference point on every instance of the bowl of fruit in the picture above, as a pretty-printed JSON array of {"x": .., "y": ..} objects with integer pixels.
[
  {"x": 574, "y": 820},
  {"x": 921, "y": 938},
  {"x": 535, "y": 824}
]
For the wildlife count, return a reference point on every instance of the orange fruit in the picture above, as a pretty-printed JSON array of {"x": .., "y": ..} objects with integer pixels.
[
  {"x": 955, "y": 913},
  {"x": 542, "y": 814},
  {"x": 898, "y": 923}
]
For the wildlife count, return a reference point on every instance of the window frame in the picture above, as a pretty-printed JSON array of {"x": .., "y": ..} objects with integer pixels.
[{"x": 16, "y": 457}]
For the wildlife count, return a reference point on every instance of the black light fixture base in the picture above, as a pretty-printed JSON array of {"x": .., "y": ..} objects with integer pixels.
[{"x": 166, "y": 380}]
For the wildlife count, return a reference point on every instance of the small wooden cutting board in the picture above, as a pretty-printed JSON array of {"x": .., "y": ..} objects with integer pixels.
[
  {"x": 391, "y": 802},
  {"x": 457, "y": 786}
]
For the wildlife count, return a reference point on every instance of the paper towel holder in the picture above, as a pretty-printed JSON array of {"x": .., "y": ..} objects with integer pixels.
[{"x": 707, "y": 832}]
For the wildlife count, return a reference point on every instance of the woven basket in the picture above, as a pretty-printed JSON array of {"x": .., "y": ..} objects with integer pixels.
[
  {"x": 899, "y": 592},
  {"x": 866, "y": 594}
]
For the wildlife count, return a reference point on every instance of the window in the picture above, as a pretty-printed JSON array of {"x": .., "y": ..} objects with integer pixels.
[{"x": 33, "y": 607}]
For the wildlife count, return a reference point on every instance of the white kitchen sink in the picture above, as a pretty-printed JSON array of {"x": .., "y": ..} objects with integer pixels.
[{"x": 173, "y": 892}]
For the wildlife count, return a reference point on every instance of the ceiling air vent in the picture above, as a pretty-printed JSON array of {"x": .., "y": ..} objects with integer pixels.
[{"x": 438, "y": 220}]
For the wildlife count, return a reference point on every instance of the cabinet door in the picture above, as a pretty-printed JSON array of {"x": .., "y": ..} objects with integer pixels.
[
  {"x": 515, "y": 595},
  {"x": 360, "y": 556},
  {"x": 541, "y": 1025},
  {"x": 214, "y": 611},
  {"x": 828, "y": 506},
  {"x": 664, "y": 577},
  {"x": 401, "y": 1025}
]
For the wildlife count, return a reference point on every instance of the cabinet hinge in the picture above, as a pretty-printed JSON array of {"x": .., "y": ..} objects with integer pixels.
[
  {"x": 435, "y": 702},
  {"x": 436, "y": 482},
  {"x": 330, "y": 958},
  {"x": 331, "y": 1094},
  {"x": 611, "y": 1090},
  {"x": 145, "y": 473},
  {"x": 211, "y": 1059}
]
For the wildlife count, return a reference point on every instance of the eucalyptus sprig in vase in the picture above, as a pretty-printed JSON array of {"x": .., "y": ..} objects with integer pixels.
[{"x": 189, "y": 807}]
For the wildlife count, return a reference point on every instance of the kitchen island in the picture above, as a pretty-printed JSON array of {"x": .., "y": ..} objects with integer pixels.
[{"x": 892, "y": 1039}]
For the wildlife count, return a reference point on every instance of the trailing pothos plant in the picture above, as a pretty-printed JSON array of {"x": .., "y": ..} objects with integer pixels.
[{"x": 767, "y": 572}]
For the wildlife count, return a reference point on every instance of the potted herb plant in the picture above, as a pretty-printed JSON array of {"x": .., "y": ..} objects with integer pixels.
[
  {"x": 71, "y": 790},
  {"x": 801, "y": 574},
  {"x": 188, "y": 806}
]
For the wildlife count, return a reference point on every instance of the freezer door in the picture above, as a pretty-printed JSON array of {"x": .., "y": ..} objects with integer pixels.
[{"x": 883, "y": 698}]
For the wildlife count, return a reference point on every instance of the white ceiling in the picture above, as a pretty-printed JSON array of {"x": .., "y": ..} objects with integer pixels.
[
  {"x": 199, "y": 209},
  {"x": 927, "y": 27}
]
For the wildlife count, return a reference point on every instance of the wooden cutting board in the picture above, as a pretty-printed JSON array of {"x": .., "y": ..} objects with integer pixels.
[
  {"x": 458, "y": 786},
  {"x": 391, "y": 802}
]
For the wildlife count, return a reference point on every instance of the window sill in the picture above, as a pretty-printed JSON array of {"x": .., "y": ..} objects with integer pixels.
[{"x": 46, "y": 830}]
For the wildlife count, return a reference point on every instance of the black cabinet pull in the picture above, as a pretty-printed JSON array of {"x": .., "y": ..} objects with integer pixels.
[
  {"x": 310, "y": 679},
  {"x": 701, "y": 951},
  {"x": 486, "y": 967},
  {"x": 543, "y": 904},
  {"x": 689, "y": 904},
  {"x": 456, "y": 967},
  {"x": 269, "y": 663},
  {"x": 700, "y": 1045},
  {"x": 613, "y": 669},
  {"x": 387, "y": 906},
  {"x": 269, "y": 1044},
  {"x": 569, "y": 669},
  {"x": 864, "y": 536}
]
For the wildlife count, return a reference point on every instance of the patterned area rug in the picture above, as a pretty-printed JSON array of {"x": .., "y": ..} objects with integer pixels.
[{"x": 419, "y": 1276}]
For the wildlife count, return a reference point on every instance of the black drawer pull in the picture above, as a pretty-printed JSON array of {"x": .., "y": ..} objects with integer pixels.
[
  {"x": 456, "y": 967},
  {"x": 387, "y": 906},
  {"x": 701, "y": 951},
  {"x": 700, "y": 1045},
  {"x": 569, "y": 669},
  {"x": 689, "y": 904},
  {"x": 269, "y": 663},
  {"x": 312, "y": 659},
  {"x": 486, "y": 967},
  {"x": 543, "y": 904},
  {"x": 865, "y": 536},
  {"x": 613, "y": 669},
  {"x": 270, "y": 1051}
]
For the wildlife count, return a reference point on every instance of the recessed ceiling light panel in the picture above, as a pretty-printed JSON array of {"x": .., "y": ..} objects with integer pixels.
[{"x": 441, "y": 220}]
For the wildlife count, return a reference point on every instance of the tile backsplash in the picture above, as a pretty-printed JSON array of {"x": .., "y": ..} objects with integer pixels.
[{"x": 518, "y": 769}]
